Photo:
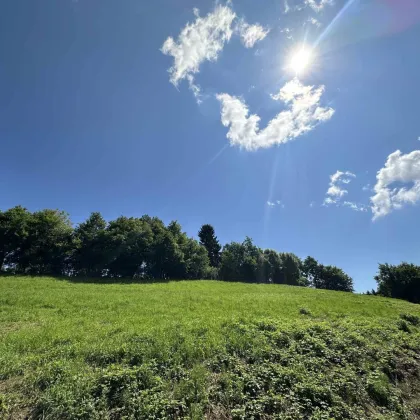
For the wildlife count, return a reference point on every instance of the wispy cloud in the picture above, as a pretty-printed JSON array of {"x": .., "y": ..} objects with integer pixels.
[
  {"x": 293, "y": 6},
  {"x": 367, "y": 187},
  {"x": 203, "y": 40},
  {"x": 303, "y": 114},
  {"x": 275, "y": 203},
  {"x": 288, "y": 33},
  {"x": 199, "y": 41},
  {"x": 314, "y": 22},
  {"x": 195, "y": 89},
  {"x": 336, "y": 191},
  {"x": 318, "y": 5},
  {"x": 355, "y": 206},
  {"x": 251, "y": 34},
  {"x": 398, "y": 168}
]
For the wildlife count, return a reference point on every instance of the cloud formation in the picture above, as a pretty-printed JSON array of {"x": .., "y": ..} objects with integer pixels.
[
  {"x": 314, "y": 22},
  {"x": 203, "y": 40},
  {"x": 398, "y": 168},
  {"x": 288, "y": 33},
  {"x": 195, "y": 89},
  {"x": 200, "y": 41},
  {"x": 355, "y": 206},
  {"x": 303, "y": 115},
  {"x": 318, "y": 5},
  {"x": 336, "y": 191},
  {"x": 275, "y": 203},
  {"x": 251, "y": 34}
]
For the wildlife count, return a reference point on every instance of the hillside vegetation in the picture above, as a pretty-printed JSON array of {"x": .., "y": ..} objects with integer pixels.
[{"x": 204, "y": 349}]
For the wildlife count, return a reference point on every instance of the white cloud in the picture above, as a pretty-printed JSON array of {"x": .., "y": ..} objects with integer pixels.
[
  {"x": 314, "y": 22},
  {"x": 336, "y": 191},
  {"x": 288, "y": 33},
  {"x": 251, "y": 34},
  {"x": 295, "y": 7},
  {"x": 367, "y": 187},
  {"x": 355, "y": 206},
  {"x": 275, "y": 203},
  {"x": 318, "y": 5},
  {"x": 279, "y": 203},
  {"x": 199, "y": 41},
  {"x": 398, "y": 168},
  {"x": 195, "y": 89},
  {"x": 303, "y": 115}
]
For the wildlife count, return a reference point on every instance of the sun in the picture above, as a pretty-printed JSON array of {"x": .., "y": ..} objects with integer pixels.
[{"x": 300, "y": 59}]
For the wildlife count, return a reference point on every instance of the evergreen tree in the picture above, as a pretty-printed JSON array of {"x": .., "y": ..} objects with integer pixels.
[{"x": 209, "y": 240}]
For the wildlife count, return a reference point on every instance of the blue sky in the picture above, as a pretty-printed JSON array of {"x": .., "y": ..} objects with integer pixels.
[{"x": 100, "y": 112}]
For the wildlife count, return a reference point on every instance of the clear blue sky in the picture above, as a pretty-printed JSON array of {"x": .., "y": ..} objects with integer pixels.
[{"x": 91, "y": 119}]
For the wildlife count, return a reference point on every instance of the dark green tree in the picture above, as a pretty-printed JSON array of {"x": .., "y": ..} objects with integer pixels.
[
  {"x": 48, "y": 244},
  {"x": 326, "y": 276},
  {"x": 334, "y": 278},
  {"x": 231, "y": 262},
  {"x": 196, "y": 260},
  {"x": 166, "y": 259},
  {"x": 91, "y": 247},
  {"x": 312, "y": 270},
  {"x": 290, "y": 264},
  {"x": 242, "y": 262},
  {"x": 13, "y": 233},
  {"x": 129, "y": 244},
  {"x": 209, "y": 240},
  {"x": 399, "y": 281},
  {"x": 273, "y": 272}
]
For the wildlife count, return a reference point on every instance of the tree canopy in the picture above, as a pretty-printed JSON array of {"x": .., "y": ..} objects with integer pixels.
[
  {"x": 209, "y": 240},
  {"x": 144, "y": 248},
  {"x": 399, "y": 281}
]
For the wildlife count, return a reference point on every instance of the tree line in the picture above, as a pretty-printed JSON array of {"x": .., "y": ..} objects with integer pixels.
[{"x": 46, "y": 243}]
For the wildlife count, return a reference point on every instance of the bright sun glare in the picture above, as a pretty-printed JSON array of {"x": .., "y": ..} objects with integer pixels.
[{"x": 300, "y": 60}]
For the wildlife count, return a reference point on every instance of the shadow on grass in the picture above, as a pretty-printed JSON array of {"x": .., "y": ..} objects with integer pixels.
[
  {"x": 91, "y": 280},
  {"x": 113, "y": 280}
]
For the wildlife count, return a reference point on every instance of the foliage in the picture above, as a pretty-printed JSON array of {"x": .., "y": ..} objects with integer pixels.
[
  {"x": 326, "y": 277},
  {"x": 193, "y": 350},
  {"x": 13, "y": 233},
  {"x": 242, "y": 262},
  {"x": 399, "y": 281},
  {"x": 47, "y": 246},
  {"x": 90, "y": 247},
  {"x": 273, "y": 264},
  {"x": 145, "y": 249},
  {"x": 290, "y": 268},
  {"x": 209, "y": 240}
]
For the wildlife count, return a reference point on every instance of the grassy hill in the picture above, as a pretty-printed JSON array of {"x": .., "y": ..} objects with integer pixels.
[{"x": 204, "y": 349}]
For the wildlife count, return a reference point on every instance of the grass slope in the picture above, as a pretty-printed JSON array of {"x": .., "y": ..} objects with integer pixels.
[{"x": 204, "y": 349}]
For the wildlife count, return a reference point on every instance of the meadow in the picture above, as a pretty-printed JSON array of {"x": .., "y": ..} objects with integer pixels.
[{"x": 204, "y": 349}]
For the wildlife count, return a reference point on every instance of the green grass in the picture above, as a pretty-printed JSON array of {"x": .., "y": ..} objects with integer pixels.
[{"x": 204, "y": 349}]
